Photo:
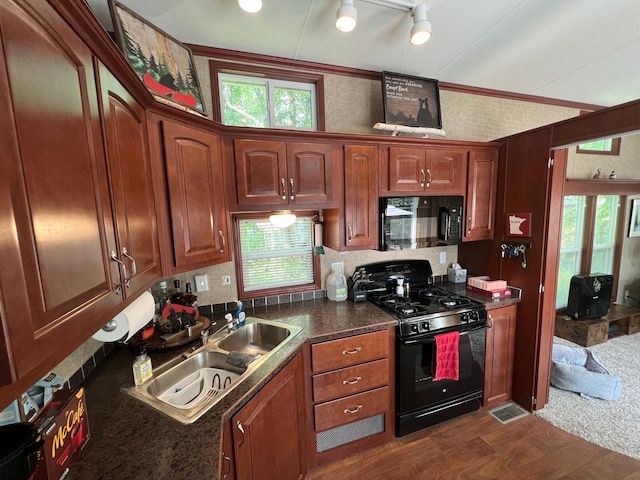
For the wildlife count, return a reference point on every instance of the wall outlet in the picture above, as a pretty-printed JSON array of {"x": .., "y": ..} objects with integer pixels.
[
  {"x": 202, "y": 283},
  {"x": 443, "y": 257},
  {"x": 337, "y": 267},
  {"x": 226, "y": 280}
]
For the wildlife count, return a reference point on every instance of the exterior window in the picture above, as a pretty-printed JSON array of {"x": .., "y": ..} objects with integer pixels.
[
  {"x": 267, "y": 103},
  {"x": 607, "y": 146},
  {"x": 273, "y": 260},
  {"x": 589, "y": 239}
]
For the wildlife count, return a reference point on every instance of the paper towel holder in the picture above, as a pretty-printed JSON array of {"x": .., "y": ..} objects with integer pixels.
[{"x": 110, "y": 326}]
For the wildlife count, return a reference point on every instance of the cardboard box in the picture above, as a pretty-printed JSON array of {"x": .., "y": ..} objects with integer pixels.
[
  {"x": 39, "y": 395},
  {"x": 484, "y": 283},
  {"x": 64, "y": 427}
]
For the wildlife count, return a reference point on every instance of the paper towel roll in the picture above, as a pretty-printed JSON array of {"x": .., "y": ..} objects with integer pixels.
[{"x": 128, "y": 322}]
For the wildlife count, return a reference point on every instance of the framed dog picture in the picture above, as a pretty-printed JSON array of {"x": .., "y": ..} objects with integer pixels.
[
  {"x": 163, "y": 64},
  {"x": 411, "y": 101}
]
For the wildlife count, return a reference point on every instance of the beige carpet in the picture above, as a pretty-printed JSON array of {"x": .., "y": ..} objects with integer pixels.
[{"x": 613, "y": 425}]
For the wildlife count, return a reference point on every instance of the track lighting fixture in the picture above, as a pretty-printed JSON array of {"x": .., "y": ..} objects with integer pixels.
[
  {"x": 251, "y": 6},
  {"x": 421, "y": 30},
  {"x": 347, "y": 16}
]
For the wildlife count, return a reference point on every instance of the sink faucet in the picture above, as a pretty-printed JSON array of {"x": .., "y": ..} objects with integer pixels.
[{"x": 207, "y": 332}]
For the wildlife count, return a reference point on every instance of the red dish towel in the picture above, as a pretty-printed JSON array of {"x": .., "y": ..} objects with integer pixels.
[{"x": 447, "y": 356}]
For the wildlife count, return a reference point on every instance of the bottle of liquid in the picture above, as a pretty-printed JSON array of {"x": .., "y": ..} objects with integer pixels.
[
  {"x": 337, "y": 286},
  {"x": 163, "y": 299},
  {"x": 240, "y": 315},
  {"x": 229, "y": 319},
  {"x": 142, "y": 370},
  {"x": 176, "y": 296},
  {"x": 189, "y": 299}
]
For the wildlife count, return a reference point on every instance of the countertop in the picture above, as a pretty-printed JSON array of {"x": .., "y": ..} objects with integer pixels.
[{"x": 131, "y": 440}]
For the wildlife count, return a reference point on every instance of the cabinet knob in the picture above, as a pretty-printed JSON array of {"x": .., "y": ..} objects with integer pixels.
[
  {"x": 350, "y": 231},
  {"x": 351, "y": 352},
  {"x": 114, "y": 257},
  {"x": 469, "y": 225},
  {"x": 424, "y": 178},
  {"x": 283, "y": 184},
  {"x": 241, "y": 428},
  {"x": 134, "y": 269},
  {"x": 224, "y": 241},
  {"x": 351, "y": 382},
  {"x": 292, "y": 196},
  {"x": 429, "y": 180},
  {"x": 353, "y": 410}
]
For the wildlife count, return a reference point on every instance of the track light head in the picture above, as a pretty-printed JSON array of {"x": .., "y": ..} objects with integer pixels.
[
  {"x": 347, "y": 16},
  {"x": 421, "y": 30},
  {"x": 251, "y": 6}
]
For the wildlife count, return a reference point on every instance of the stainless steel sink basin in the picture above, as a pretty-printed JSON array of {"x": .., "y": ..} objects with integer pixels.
[
  {"x": 255, "y": 338},
  {"x": 191, "y": 383}
]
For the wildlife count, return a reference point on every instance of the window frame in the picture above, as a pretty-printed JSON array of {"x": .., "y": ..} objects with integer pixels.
[
  {"x": 242, "y": 294},
  {"x": 216, "y": 67},
  {"x": 591, "y": 190}
]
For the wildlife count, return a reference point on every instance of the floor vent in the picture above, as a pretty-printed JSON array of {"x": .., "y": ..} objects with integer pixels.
[{"x": 508, "y": 412}]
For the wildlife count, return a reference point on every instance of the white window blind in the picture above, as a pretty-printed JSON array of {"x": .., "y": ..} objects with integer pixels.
[{"x": 274, "y": 257}]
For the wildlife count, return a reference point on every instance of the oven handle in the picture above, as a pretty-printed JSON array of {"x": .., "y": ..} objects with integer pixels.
[{"x": 432, "y": 337}]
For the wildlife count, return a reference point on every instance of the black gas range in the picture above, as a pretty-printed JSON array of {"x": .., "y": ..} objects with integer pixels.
[{"x": 425, "y": 311}]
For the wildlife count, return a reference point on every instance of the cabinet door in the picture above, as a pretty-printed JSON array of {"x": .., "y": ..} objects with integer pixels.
[
  {"x": 481, "y": 195},
  {"x": 407, "y": 170},
  {"x": 309, "y": 168},
  {"x": 446, "y": 172},
  {"x": 499, "y": 355},
  {"x": 125, "y": 132},
  {"x": 261, "y": 172},
  {"x": 55, "y": 277},
  {"x": 360, "y": 197},
  {"x": 196, "y": 195},
  {"x": 268, "y": 433}
]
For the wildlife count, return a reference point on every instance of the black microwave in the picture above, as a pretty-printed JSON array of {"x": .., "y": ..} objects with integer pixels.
[{"x": 419, "y": 222}]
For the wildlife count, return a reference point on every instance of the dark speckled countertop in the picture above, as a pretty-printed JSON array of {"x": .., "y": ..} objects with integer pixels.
[{"x": 130, "y": 440}]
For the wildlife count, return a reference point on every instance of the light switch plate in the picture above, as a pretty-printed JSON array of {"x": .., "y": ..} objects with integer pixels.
[
  {"x": 202, "y": 283},
  {"x": 443, "y": 257}
]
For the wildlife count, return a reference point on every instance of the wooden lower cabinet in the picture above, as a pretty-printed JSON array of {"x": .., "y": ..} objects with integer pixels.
[
  {"x": 499, "y": 355},
  {"x": 351, "y": 385},
  {"x": 269, "y": 432}
]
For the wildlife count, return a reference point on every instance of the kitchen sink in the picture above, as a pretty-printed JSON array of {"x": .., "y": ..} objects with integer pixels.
[
  {"x": 255, "y": 338},
  {"x": 190, "y": 384}
]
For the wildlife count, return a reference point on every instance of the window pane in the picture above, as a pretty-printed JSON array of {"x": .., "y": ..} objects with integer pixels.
[
  {"x": 570, "y": 245},
  {"x": 275, "y": 257},
  {"x": 244, "y": 103},
  {"x": 292, "y": 108},
  {"x": 604, "y": 235},
  {"x": 598, "y": 145}
]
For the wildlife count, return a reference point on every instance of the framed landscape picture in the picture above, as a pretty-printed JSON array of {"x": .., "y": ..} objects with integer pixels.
[
  {"x": 163, "y": 64},
  {"x": 411, "y": 101},
  {"x": 634, "y": 222}
]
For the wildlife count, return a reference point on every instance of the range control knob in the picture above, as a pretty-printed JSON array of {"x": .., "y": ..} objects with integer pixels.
[
  {"x": 425, "y": 326},
  {"x": 474, "y": 316},
  {"x": 414, "y": 328},
  {"x": 464, "y": 317}
]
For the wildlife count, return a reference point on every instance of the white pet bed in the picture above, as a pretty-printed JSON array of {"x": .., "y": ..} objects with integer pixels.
[{"x": 577, "y": 370}]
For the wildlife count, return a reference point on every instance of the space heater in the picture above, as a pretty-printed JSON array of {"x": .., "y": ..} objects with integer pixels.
[{"x": 589, "y": 296}]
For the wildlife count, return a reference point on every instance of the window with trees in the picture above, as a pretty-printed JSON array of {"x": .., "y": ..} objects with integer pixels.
[
  {"x": 271, "y": 259},
  {"x": 591, "y": 232}
]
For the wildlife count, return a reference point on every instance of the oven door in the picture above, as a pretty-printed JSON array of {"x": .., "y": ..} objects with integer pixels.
[{"x": 416, "y": 366}]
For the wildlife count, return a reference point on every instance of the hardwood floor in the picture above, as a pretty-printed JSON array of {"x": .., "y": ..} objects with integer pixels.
[{"x": 477, "y": 446}]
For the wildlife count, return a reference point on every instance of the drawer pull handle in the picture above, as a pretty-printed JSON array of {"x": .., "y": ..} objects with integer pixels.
[
  {"x": 353, "y": 410},
  {"x": 351, "y": 352},
  {"x": 351, "y": 382}
]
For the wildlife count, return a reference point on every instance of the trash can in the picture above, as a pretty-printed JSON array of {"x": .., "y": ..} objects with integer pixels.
[{"x": 19, "y": 445}]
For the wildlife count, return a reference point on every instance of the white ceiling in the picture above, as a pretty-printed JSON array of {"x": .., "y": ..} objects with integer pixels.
[{"x": 578, "y": 50}]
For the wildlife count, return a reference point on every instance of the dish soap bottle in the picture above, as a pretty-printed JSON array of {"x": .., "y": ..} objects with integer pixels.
[
  {"x": 336, "y": 285},
  {"x": 142, "y": 370},
  {"x": 240, "y": 314}
]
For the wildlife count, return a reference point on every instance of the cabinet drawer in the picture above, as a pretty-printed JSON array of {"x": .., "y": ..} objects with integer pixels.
[
  {"x": 350, "y": 409},
  {"x": 347, "y": 381},
  {"x": 349, "y": 351}
]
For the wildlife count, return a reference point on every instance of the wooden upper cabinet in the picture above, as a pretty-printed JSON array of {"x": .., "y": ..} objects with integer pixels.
[
  {"x": 481, "y": 195},
  {"x": 125, "y": 132},
  {"x": 354, "y": 226},
  {"x": 197, "y": 202},
  {"x": 283, "y": 173},
  {"x": 56, "y": 278},
  {"x": 423, "y": 171}
]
